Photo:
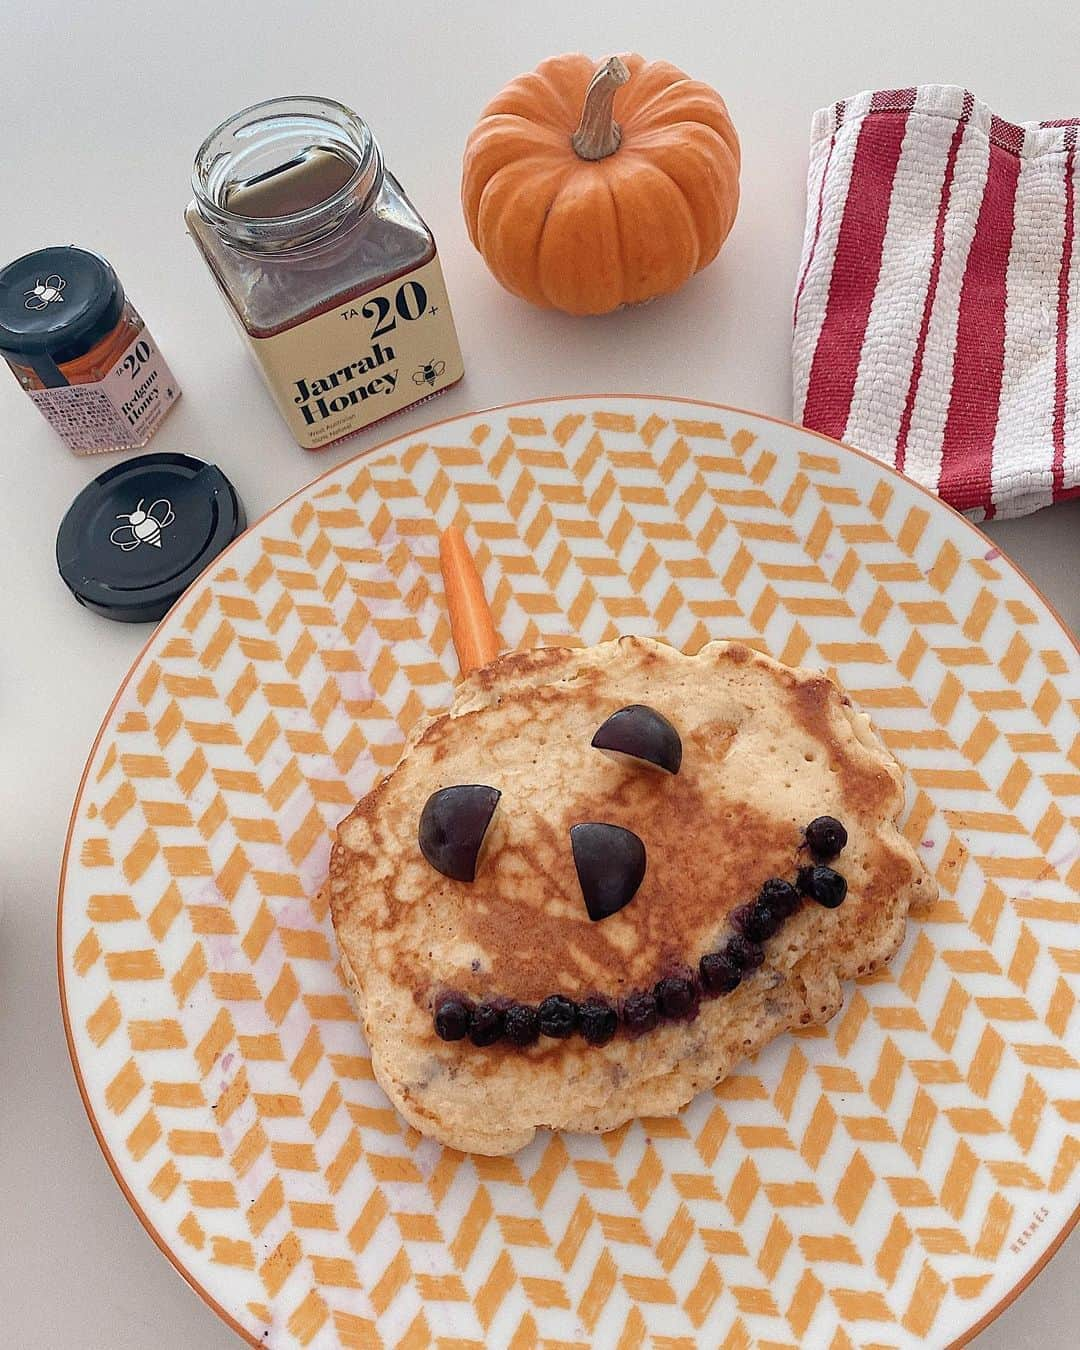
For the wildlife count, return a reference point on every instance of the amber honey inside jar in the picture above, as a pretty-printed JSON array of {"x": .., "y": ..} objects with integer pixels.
[
  {"x": 92, "y": 365},
  {"x": 325, "y": 263}
]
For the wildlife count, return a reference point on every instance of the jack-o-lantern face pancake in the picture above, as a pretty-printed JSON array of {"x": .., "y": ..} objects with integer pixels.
[{"x": 673, "y": 859}]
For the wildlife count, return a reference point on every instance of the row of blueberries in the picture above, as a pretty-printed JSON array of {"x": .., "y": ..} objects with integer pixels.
[{"x": 674, "y": 998}]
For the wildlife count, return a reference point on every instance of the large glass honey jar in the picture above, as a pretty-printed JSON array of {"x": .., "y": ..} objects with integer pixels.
[{"x": 329, "y": 269}]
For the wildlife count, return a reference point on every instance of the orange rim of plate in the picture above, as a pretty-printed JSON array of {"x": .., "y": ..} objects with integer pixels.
[{"x": 420, "y": 432}]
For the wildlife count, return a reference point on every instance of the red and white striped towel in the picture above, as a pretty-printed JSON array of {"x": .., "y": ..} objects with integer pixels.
[{"x": 937, "y": 309}]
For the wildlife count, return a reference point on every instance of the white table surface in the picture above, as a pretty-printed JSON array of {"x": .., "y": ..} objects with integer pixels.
[{"x": 101, "y": 108}]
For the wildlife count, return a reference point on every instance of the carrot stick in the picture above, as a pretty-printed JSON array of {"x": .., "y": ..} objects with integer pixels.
[{"x": 471, "y": 625}]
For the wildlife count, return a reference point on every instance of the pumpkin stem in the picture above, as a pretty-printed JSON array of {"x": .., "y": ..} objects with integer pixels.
[{"x": 598, "y": 134}]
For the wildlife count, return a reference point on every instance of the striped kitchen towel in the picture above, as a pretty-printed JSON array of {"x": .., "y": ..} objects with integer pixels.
[{"x": 937, "y": 308}]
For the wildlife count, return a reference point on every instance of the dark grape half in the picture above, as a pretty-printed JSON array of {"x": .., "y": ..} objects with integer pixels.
[
  {"x": 640, "y": 732},
  {"x": 452, "y": 828},
  {"x": 610, "y": 864}
]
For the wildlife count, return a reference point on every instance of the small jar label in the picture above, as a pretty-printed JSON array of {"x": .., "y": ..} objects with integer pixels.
[
  {"x": 119, "y": 412},
  {"x": 364, "y": 359}
]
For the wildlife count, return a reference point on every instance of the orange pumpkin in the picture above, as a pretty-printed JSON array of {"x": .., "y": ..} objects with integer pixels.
[{"x": 588, "y": 189}]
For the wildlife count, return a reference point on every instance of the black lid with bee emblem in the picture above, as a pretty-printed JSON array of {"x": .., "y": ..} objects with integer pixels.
[
  {"x": 55, "y": 305},
  {"x": 136, "y": 537}
]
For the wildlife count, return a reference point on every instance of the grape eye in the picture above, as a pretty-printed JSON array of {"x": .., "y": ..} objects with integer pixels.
[
  {"x": 638, "y": 732},
  {"x": 453, "y": 824}
]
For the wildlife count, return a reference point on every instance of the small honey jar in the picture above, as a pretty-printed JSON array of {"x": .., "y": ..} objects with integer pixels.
[
  {"x": 327, "y": 266},
  {"x": 78, "y": 347}
]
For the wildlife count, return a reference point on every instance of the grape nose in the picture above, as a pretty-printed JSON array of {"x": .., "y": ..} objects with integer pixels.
[{"x": 610, "y": 862}]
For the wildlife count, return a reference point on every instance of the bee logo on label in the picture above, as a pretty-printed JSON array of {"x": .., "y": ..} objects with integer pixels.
[
  {"x": 45, "y": 292},
  {"x": 428, "y": 373},
  {"x": 143, "y": 527}
]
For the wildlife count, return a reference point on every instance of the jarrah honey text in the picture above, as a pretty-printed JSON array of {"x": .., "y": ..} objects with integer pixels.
[{"x": 343, "y": 388}]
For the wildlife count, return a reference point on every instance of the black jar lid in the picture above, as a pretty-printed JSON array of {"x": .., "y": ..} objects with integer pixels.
[
  {"x": 57, "y": 303},
  {"x": 136, "y": 537}
]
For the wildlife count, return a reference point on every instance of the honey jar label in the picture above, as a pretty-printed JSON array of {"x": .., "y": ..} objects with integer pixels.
[
  {"x": 118, "y": 412},
  {"x": 364, "y": 359}
]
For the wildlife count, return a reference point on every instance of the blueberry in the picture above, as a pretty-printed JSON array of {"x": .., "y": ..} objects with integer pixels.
[
  {"x": 757, "y": 920},
  {"x": 488, "y": 1024},
  {"x": 719, "y": 974},
  {"x": 640, "y": 1013},
  {"x": 522, "y": 1024},
  {"x": 826, "y": 837},
  {"x": 453, "y": 1015},
  {"x": 743, "y": 954},
  {"x": 599, "y": 1021},
  {"x": 558, "y": 1016},
  {"x": 677, "y": 997},
  {"x": 822, "y": 884},
  {"x": 781, "y": 897},
  {"x": 740, "y": 917}
]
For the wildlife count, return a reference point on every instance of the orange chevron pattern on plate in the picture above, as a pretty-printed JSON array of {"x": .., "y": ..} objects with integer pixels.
[{"x": 888, "y": 1180}]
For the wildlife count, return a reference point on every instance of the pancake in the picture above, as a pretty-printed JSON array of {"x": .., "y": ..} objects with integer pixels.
[{"x": 766, "y": 749}]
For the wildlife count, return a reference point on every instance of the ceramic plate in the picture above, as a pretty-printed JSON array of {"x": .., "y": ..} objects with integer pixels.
[{"x": 891, "y": 1179}]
